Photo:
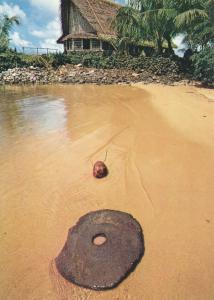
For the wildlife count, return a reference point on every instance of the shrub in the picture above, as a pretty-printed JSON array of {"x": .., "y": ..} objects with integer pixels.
[
  {"x": 155, "y": 65},
  {"x": 203, "y": 63},
  {"x": 9, "y": 60}
]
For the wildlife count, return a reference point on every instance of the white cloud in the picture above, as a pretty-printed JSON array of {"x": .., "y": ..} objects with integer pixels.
[
  {"x": 181, "y": 45},
  {"x": 51, "y": 43},
  {"x": 51, "y": 6},
  {"x": 12, "y": 10},
  {"x": 178, "y": 40},
  {"x": 51, "y": 30},
  {"x": 17, "y": 41},
  {"x": 49, "y": 34},
  {"x": 38, "y": 33}
]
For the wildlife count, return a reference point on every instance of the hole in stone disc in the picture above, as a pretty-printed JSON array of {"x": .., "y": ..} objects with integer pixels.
[{"x": 99, "y": 239}]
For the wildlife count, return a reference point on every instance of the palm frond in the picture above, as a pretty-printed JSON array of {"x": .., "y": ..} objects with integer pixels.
[{"x": 188, "y": 17}]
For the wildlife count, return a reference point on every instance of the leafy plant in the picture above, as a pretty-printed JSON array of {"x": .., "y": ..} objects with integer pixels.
[
  {"x": 146, "y": 20},
  {"x": 6, "y": 25},
  {"x": 158, "y": 21},
  {"x": 203, "y": 66},
  {"x": 44, "y": 61}
]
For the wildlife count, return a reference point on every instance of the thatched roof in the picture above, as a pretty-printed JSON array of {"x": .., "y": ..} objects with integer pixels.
[
  {"x": 78, "y": 36},
  {"x": 98, "y": 13}
]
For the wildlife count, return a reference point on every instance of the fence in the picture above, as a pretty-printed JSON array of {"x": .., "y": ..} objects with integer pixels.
[{"x": 39, "y": 51}]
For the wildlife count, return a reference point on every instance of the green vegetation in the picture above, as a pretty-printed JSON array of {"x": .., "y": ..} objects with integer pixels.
[
  {"x": 196, "y": 20},
  {"x": 98, "y": 60},
  {"x": 6, "y": 25},
  {"x": 12, "y": 59},
  {"x": 145, "y": 28},
  {"x": 158, "y": 21},
  {"x": 204, "y": 66}
]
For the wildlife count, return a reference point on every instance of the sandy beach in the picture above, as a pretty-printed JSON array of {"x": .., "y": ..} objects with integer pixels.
[{"x": 160, "y": 145}]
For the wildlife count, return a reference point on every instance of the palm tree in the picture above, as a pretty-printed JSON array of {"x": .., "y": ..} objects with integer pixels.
[
  {"x": 160, "y": 20},
  {"x": 151, "y": 20},
  {"x": 127, "y": 27},
  {"x": 196, "y": 20},
  {"x": 6, "y": 25},
  {"x": 188, "y": 12},
  {"x": 157, "y": 20}
]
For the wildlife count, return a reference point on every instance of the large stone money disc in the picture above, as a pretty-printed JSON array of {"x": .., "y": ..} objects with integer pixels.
[{"x": 101, "y": 250}]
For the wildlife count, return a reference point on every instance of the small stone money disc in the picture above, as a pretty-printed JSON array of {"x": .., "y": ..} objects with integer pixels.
[{"x": 101, "y": 250}]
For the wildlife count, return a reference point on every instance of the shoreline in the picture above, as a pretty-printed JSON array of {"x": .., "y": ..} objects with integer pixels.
[
  {"x": 160, "y": 155},
  {"x": 78, "y": 74}
]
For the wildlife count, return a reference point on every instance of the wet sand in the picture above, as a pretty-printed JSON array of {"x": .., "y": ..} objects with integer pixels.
[{"x": 160, "y": 143}]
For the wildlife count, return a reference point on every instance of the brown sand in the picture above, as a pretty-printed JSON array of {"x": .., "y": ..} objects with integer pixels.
[{"x": 160, "y": 143}]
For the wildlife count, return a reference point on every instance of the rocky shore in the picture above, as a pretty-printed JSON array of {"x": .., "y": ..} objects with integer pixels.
[{"x": 80, "y": 75}]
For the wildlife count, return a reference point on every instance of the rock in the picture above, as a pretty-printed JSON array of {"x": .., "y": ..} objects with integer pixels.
[
  {"x": 161, "y": 70},
  {"x": 135, "y": 74},
  {"x": 91, "y": 72},
  {"x": 78, "y": 66},
  {"x": 101, "y": 250},
  {"x": 72, "y": 74}
]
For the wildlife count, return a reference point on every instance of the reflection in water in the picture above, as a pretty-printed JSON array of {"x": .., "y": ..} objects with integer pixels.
[
  {"x": 46, "y": 180},
  {"x": 32, "y": 115},
  {"x": 162, "y": 178}
]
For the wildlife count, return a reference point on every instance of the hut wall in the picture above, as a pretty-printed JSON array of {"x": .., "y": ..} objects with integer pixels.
[{"x": 77, "y": 24}]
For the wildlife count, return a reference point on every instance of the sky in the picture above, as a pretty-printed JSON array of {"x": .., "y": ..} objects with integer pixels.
[{"x": 40, "y": 25}]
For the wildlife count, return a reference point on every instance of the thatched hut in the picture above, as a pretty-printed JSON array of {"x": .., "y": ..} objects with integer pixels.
[{"x": 87, "y": 24}]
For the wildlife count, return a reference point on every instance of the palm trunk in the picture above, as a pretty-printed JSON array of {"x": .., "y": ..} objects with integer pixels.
[
  {"x": 169, "y": 42},
  {"x": 159, "y": 46}
]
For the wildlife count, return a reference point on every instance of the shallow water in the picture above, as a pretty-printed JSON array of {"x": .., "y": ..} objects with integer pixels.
[{"x": 49, "y": 137}]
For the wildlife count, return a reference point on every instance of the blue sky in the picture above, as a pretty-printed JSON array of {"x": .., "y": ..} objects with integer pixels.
[{"x": 40, "y": 26}]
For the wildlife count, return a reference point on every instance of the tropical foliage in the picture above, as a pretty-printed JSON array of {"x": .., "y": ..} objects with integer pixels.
[
  {"x": 196, "y": 20},
  {"x": 141, "y": 25},
  {"x": 6, "y": 25},
  {"x": 156, "y": 65},
  {"x": 159, "y": 21},
  {"x": 203, "y": 66}
]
